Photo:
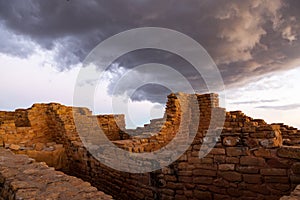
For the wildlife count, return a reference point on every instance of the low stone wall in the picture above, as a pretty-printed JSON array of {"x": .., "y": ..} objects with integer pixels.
[{"x": 22, "y": 178}]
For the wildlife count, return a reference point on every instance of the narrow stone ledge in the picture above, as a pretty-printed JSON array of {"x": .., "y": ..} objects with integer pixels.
[{"x": 23, "y": 178}]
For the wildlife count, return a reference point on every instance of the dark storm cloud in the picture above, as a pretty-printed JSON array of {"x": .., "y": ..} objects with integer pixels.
[
  {"x": 283, "y": 107},
  {"x": 246, "y": 39},
  {"x": 151, "y": 92}
]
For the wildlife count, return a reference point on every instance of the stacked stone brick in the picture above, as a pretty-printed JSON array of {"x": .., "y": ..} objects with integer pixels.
[{"x": 290, "y": 135}]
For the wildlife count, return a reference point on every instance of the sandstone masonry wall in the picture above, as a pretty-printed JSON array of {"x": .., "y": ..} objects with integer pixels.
[
  {"x": 251, "y": 159},
  {"x": 30, "y": 132}
]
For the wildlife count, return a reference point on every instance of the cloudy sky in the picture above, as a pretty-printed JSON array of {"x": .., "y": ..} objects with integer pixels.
[{"x": 254, "y": 43}]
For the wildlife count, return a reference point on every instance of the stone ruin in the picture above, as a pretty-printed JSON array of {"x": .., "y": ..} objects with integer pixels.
[{"x": 250, "y": 160}]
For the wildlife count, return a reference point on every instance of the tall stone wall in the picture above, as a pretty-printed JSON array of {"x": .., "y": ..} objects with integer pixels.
[{"x": 251, "y": 159}]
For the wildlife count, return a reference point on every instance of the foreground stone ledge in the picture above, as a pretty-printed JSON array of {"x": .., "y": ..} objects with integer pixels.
[{"x": 23, "y": 178}]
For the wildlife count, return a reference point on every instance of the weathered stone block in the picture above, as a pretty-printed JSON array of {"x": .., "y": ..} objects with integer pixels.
[
  {"x": 226, "y": 167},
  {"x": 39, "y": 146},
  {"x": 219, "y": 159},
  {"x": 217, "y": 151},
  {"x": 186, "y": 179},
  {"x": 257, "y": 188},
  {"x": 180, "y": 197},
  {"x": 234, "y": 192},
  {"x": 204, "y": 172},
  {"x": 203, "y": 180},
  {"x": 168, "y": 192},
  {"x": 273, "y": 172},
  {"x": 206, "y": 160},
  {"x": 276, "y": 179},
  {"x": 248, "y": 169},
  {"x": 214, "y": 189},
  {"x": 262, "y": 152},
  {"x": 278, "y": 163},
  {"x": 252, "y": 178},
  {"x": 231, "y": 176},
  {"x": 252, "y": 161},
  {"x": 230, "y": 141},
  {"x": 237, "y": 151},
  {"x": 202, "y": 195},
  {"x": 14, "y": 147},
  {"x": 232, "y": 160},
  {"x": 174, "y": 185}
]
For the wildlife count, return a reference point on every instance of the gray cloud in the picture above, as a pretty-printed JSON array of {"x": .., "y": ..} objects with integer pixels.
[
  {"x": 247, "y": 39},
  {"x": 151, "y": 92},
  {"x": 284, "y": 107},
  {"x": 255, "y": 102},
  {"x": 15, "y": 44}
]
